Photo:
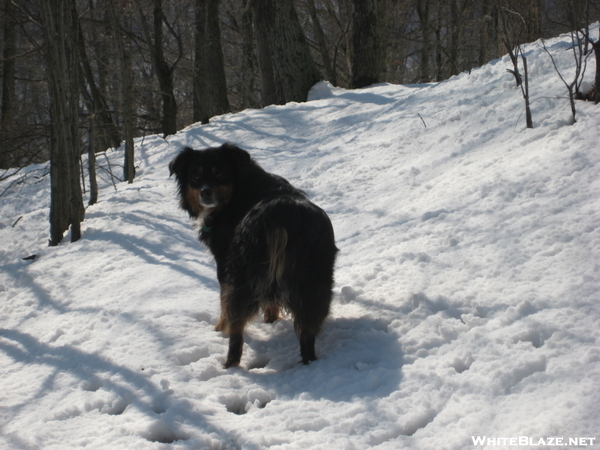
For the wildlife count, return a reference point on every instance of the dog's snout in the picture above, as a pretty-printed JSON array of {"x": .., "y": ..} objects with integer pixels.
[
  {"x": 206, "y": 192},
  {"x": 206, "y": 195}
]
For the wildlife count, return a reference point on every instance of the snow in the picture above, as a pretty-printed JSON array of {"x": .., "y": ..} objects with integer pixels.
[{"x": 466, "y": 299}]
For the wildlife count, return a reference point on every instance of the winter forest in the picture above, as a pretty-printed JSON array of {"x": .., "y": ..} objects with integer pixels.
[
  {"x": 176, "y": 63},
  {"x": 83, "y": 76}
]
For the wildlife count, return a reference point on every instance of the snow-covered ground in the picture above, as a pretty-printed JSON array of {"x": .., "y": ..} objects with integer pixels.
[{"x": 467, "y": 298}]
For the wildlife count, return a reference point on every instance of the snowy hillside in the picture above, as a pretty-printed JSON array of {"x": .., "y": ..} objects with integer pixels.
[{"x": 467, "y": 298}]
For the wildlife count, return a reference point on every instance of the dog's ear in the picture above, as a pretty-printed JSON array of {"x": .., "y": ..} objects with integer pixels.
[
  {"x": 181, "y": 161},
  {"x": 238, "y": 157}
]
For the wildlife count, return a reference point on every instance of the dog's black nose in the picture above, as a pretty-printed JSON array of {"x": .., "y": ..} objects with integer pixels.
[{"x": 206, "y": 193}]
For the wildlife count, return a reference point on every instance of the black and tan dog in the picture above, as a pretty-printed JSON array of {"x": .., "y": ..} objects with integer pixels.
[{"x": 273, "y": 247}]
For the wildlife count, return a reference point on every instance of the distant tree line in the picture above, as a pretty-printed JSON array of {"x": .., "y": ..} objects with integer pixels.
[{"x": 87, "y": 75}]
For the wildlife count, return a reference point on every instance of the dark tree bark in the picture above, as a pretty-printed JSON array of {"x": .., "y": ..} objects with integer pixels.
[
  {"x": 99, "y": 106},
  {"x": 124, "y": 63},
  {"x": 457, "y": 25},
  {"x": 484, "y": 32},
  {"x": 439, "y": 47},
  {"x": 386, "y": 14},
  {"x": 247, "y": 90},
  {"x": 59, "y": 21},
  {"x": 423, "y": 14},
  {"x": 320, "y": 35},
  {"x": 286, "y": 65},
  {"x": 596, "y": 46},
  {"x": 200, "y": 86},
  {"x": 534, "y": 20},
  {"x": 92, "y": 161},
  {"x": 164, "y": 71},
  {"x": 525, "y": 90},
  {"x": 8, "y": 80},
  {"x": 103, "y": 49},
  {"x": 267, "y": 76},
  {"x": 365, "y": 43},
  {"x": 210, "y": 86}
]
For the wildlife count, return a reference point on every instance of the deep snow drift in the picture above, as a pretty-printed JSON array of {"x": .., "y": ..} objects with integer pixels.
[{"x": 466, "y": 299}]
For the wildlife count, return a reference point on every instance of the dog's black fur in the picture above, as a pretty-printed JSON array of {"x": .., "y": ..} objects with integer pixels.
[{"x": 273, "y": 247}]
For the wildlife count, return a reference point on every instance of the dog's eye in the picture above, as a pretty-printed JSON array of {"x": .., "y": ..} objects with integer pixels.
[{"x": 220, "y": 176}]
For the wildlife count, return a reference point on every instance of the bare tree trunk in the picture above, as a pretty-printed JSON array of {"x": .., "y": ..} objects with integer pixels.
[
  {"x": 92, "y": 160},
  {"x": 200, "y": 83},
  {"x": 123, "y": 57},
  {"x": 287, "y": 68},
  {"x": 345, "y": 39},
  {"x": 439, "y": 50},
  {"x": 100, "y": 108},
  {"x": 534, "y": 20},
  {"x": 210, "y": 86},
  {"x": 267, "y": 77},
  {"x": 365, "y": 43},
  {"x": 457, "y": 25},
  {"x": 104, "y": 48},
  {"x": 248, "y": 100},
  {"x": 484, "y": 32},
  {"x": 8, "y": 81},
  {"x": 423, "y": 14},
  {"x": 164, "y": 71},
  {"x": 385, "y": 16},
  {"x": 59, "y": 20},
  {"x": 217, "y": 94},
  {"x": 525, "y": 89},
  {"x": 596, "y": 46},
  {"x": 320, "y": 35}
]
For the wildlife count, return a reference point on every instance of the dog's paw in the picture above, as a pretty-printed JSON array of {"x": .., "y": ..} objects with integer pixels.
[
  {"x": 234, "y": 355},
  {"x": 232, "y": 362}
]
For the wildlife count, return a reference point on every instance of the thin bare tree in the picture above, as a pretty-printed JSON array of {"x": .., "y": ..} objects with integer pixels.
[{"x": 59, "y": 22}]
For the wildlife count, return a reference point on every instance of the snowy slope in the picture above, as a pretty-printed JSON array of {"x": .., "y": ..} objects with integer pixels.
[{"x": 466, "y": 299}]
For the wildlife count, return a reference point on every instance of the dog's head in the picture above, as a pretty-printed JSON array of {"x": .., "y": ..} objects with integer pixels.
[{"x": 207, "y": 178}]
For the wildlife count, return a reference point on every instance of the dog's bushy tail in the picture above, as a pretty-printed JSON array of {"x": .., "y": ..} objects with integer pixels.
[{"x": 277, "y": 241}]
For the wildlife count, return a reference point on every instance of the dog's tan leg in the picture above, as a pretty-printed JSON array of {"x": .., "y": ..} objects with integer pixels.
[
  {"x": 222, "y": 324},
  {"x": 306, "y": 336},
  {"x": 271, "y": 313},
  {"x": 236, "y": 343}
]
